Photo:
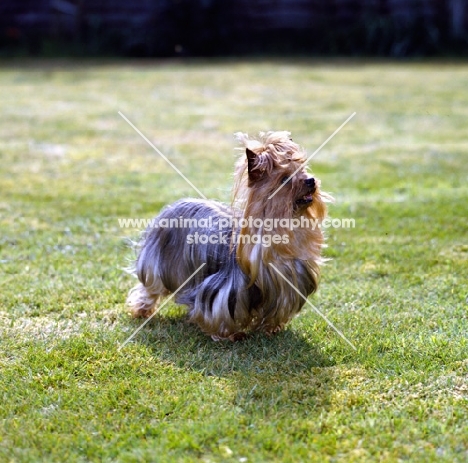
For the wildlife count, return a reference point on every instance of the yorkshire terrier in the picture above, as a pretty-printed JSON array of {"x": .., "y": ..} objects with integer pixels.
[{"x": 255, "y": 251}]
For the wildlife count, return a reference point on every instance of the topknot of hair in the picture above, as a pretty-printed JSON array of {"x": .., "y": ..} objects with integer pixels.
[{"x": 277, "y": 144}]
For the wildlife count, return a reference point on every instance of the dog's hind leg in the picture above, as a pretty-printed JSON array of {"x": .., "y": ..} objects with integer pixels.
[{"x": 143, "y": 300}]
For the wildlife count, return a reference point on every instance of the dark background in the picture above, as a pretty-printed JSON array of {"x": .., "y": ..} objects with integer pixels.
[{"x": 165, "y": 28}]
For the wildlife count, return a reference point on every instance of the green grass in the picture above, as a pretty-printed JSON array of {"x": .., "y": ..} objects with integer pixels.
[{"x": 396, "y": 285}]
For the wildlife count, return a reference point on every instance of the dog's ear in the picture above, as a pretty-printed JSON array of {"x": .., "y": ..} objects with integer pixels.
[{"x": 252, "y": 160}]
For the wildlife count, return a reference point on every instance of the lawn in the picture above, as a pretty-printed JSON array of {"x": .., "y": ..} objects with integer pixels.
[{"x": 396, "y": 285}]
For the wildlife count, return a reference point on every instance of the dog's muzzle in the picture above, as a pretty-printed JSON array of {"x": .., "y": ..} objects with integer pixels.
[{"x": 307, "y": 198}]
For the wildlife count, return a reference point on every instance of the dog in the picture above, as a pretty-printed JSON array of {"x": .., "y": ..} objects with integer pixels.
[{"x": 257, "y": 260}]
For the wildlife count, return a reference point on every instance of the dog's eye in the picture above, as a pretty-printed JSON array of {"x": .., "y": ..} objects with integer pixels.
[{"x": 285, "y": 180}]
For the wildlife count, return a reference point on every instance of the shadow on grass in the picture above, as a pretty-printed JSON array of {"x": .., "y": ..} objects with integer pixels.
[
  {"x": 173, "y": 340},
  {"x": 285, "y": 373}
]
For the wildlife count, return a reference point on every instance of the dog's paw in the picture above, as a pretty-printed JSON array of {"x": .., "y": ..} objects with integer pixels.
[
  {"x": 237, "y": 336},
  {"x": 142, "y": 313},
  {"x": 271, "y": 331}
]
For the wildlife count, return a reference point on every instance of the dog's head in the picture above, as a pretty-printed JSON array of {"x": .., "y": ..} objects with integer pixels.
[{"x": 275, "y": 175}]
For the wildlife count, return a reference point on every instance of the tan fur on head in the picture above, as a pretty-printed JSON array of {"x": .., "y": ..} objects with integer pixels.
[
  {"x": 272, "y": 148},
  {"x": 277, "y": 158}
]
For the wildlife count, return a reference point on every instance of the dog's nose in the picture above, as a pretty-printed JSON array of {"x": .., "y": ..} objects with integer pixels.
[{"x": 310, "y": 182}]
